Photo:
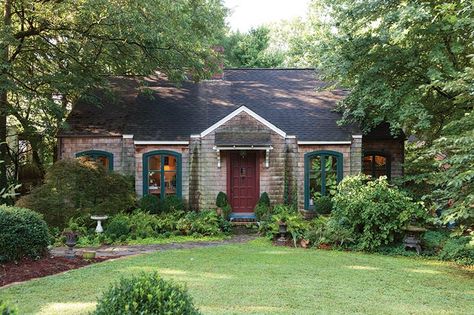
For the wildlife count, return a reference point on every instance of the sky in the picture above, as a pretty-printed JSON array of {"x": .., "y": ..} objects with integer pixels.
[{"x": 246, "y": 14}]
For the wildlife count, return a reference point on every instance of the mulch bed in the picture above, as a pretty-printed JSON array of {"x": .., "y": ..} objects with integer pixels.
[{"x": 27, "y": 269}]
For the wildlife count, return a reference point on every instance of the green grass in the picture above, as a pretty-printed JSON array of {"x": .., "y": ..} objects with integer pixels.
[
  {"x": 258, "y": 278},
  {"x": 160, "y": 240}
]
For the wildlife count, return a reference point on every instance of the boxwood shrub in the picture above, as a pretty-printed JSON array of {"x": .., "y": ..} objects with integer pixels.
[
  {"x": 146, "y": 294},
  {"x": 23, "y": 233}
]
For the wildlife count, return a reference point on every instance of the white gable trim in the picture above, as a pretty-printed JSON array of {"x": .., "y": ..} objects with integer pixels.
[
  {"x": 322, "y": 142},
  {"x": 237, "y": 112},
  {"x": 161, "y": 142}
]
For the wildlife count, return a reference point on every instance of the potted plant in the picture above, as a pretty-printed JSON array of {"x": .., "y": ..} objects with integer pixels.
[{"x": 221, "y": 203}]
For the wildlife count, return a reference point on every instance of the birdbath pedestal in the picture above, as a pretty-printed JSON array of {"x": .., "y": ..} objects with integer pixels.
[
  {"x": 412, "y": 237},
  {"x": 99, "y": 219}
]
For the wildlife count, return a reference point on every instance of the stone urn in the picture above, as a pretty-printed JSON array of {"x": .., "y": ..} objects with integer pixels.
[
  {"x": 282, "y": 229},
  {"x": 71, "y": 241}
]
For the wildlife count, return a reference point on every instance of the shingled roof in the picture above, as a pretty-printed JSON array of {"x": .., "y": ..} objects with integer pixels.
[{"x": 287, "y": 98}]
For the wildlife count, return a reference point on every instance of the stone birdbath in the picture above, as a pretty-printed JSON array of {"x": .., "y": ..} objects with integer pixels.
[
  {"x": 99, "y": 219},
  {"x": 412, "y": 237}
]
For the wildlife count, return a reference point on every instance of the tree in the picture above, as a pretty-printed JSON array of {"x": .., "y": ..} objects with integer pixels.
[
  {"x": 53, "y": 51},
  {"x": 406, "y": 62},
  {"x": 250, "y": 50}
]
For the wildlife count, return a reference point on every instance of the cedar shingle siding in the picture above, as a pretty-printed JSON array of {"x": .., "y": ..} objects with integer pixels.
[{"x": 165, "y": 117}]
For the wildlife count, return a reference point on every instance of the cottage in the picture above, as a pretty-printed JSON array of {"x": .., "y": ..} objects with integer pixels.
[{"x": 245, "y": 132}]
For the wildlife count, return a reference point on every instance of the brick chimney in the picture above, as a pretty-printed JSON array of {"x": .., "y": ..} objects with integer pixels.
[{"x": 219, "y": 75}]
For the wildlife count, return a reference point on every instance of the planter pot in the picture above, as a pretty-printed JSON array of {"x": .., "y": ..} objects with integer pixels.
[
  {"x": 219, "y": 212},
  {"x": 88, "y": 254}
]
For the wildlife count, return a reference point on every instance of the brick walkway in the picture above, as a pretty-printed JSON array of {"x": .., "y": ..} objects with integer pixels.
[{"x": 127, "y": 250}]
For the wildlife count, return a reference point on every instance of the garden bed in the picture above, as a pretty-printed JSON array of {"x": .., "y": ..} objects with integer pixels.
[{"x": 27, "y": 269}]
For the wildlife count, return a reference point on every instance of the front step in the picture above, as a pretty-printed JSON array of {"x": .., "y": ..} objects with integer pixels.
[{"x": 248, "y": 217}]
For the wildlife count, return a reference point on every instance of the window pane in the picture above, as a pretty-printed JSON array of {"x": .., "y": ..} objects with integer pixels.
[
  {"x": 169, "y": 163},
  {"x": 103, "y": 160},
  {"x": 331, "y": 175},
  {"x": 154, "y": 182},
  {"x": 380, "y": 166},
  {"x": 170, "y": 183},
  {"x": 367, "y": 165},
  {"x": 154, "y": 163},
  {"x": 315, "y": 179}
]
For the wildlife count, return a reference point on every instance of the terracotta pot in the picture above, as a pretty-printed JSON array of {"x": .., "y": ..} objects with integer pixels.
[{"x": 304, "y": 243}]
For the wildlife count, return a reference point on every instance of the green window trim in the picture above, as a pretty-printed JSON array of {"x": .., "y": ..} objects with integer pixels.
[
  {"x": 163, "y": 153},
  {"x": 388, "y": 162},
  {"x": 98, "y": 153},
  {"x": 307, "y": 168}
]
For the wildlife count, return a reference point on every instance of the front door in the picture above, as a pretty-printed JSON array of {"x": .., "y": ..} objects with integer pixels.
[{"x": 244, "y": 177}]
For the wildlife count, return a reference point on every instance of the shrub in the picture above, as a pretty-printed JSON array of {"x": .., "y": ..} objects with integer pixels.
[
  {"x": 459, "y": 249},
  {"x": 373, "y": 212},
  {"x": 6, "y": 309},
  {"x": 118, "y": 228},
  {"x": 433, "y": 241},
  {"x": 221, "y": 200},
  {"x": 145, "y": 294},
  {"x": 171, "y": 204},
  {"x": 323, "y": 205},
  {"x": 77, "y": 187},
  {"x": 23, "y": 233},
  {"x": 262, "y": 209},
  {"x": 202, "y": 223},
  {"x": 149, "y": 203}
]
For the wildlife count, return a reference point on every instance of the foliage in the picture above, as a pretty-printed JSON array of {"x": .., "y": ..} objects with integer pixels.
[
  {"x": 23, "y": 233},
  {"x": 250, "y": 50},
  {"x": 372, "y": 211},
  {"x": 145, "y": 294},
  {"x": 453, "y": 177},
  {"x": 118, "y": 228},
  {"x": 221, "y": 199},
  {"x": 323, "y": 205},
  {"x": 171, "y": 204},
  {"x": 408, "y": 63},
  {"x": 262, "y": 209},
  {"x": 149, "y": 203},
  {"x": 6, "y": 309},
  {"x": 295, "y": 223},
  {"x": 74, "y": 46},
  {"x": 79, "y": 187},
  {"x": 206, "y": 223},
  {"x": 323, "y": 230},
  {"x": 459, "y": 249},
  {"x": 433, "y": 241}
]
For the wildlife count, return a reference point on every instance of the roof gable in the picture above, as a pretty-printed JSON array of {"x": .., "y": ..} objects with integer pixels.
[{"x": 238, "y": 111}]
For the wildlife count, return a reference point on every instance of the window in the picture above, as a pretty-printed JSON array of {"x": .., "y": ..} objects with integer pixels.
[
  {"x": 323, "y": 171},
  {"x": 162, "y": 173},
  {"x": 376, "y": 164},
  {"x": 101, "y": 157}
]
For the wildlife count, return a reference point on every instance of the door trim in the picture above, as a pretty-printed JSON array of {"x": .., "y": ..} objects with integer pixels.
[{"x": 258, "y": 156}]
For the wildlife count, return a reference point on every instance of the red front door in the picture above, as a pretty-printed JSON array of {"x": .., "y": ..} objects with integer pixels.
[{"x": 243, "y": 181}]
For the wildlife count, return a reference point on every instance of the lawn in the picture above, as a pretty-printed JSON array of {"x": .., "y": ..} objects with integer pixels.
[{"x": 258, "y": 278}]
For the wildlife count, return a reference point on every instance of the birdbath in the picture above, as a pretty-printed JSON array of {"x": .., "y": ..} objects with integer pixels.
[
  {"x": 412, "y": 237},
  {"x": 99, "y": 219}
]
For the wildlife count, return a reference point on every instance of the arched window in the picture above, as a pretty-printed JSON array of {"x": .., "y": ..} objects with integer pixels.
[
  {"x": 376, "y": 164},
  {"x": 323, "y": 170},
  {"x": 101, "y": 157},
  {"x": 162, "y": 173}
]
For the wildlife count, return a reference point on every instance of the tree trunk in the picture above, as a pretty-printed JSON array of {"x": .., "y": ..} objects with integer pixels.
[{"x": 4, "y": 100}]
